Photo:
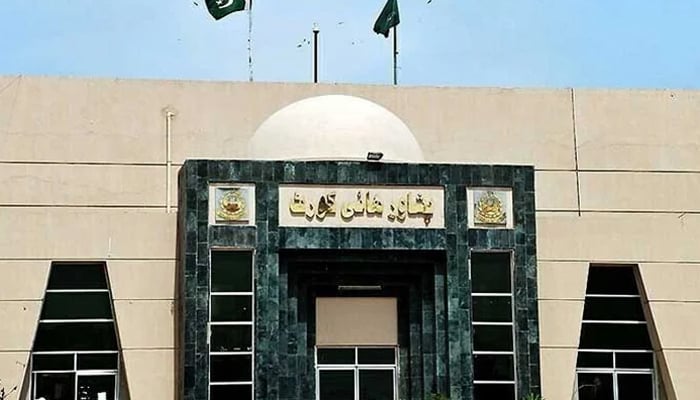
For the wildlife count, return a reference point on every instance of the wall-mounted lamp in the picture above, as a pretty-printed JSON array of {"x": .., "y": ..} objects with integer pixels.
[{"x": 374, "y": 156}]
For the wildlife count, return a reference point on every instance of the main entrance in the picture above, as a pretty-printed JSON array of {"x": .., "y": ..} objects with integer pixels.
[
  {"x": 371, "y": 330},
  {"x": 398, "y": 238}
]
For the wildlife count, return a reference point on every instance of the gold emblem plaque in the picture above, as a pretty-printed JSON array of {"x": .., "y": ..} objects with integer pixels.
[
  {"x": 231, "y": 205},
  {"x": 489, "y": 209}
]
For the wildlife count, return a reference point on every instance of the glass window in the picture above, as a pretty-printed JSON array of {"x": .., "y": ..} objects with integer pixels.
[
  {"x": 83, "y": 336},
  {"x": 618, "y": 280},
  {"x": 614, "y": 336},
  {"x": 77, "y": 276},
  {"x": 94, "y": 378},
  {"x": 634, "y": 360},
  {"x": 54, "y": 386},
  {"x": 98, "y": 361},
  {"x": 53, "y": 362},
  {"x": 74, "y": 305},
  {"x": 615, "y": 360},
  {"x": 231, "y": 271},
  {"x": 376, "y": 384},
  {"x": 595, "y": 360},
  {"x": 493, "y": 391},
  {"x": 376, "y": 356},
  {"x": 231, "y": 368},
  {"x": 595, "y": 386},
  {"x": 492, "y": 326},
  {"x": 635, "y": 386},
  {"x": 492, "y": 309},
  {"x": 230, "y": 392},
  {"x": 336, "y": 385},
  {"x": 336, "y": 356},
  {"x": 356, "y": 373},
  {"x": 96, "y": 387},
  {"x": 226, "y": 338},
  {"x": 75, "y": 354},
  {"x": 491, "y": 273},
  {"x": 493, "y": 337},
  {"x": 613, "y": 308},
  {"x": 493, "y": 367},
  {"x": 231, "y": 307}
]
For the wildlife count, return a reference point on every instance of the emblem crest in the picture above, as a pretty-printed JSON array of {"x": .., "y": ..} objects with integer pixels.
[
  {"x": 489, "y": 210},
  {"x": 231, "y": 205}
]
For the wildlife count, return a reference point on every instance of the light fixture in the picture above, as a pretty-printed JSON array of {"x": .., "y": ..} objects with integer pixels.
[
  {"x": 374, "y": 156},
  {"x": 360, "y": 288}
]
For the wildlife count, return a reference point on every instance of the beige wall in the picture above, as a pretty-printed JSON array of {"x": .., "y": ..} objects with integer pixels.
[
  {"x": 346, "y": 321},
  {"x": 85, "y": 164}
]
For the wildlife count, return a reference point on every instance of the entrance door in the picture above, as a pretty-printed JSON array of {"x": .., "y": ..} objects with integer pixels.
[
  {"x": 356, "y": 373},
  {"x": 356, "y": 348}
]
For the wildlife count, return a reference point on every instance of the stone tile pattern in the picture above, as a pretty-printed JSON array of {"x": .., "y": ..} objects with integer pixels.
[
  {"x": 305, "y": 274},
  {"x": 280, "y": 368}
]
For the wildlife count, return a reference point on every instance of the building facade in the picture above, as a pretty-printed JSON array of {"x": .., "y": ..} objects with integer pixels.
[{"x": 201, "y": 240}]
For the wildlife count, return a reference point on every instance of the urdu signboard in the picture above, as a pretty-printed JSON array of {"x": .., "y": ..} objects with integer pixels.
[{"x": 413, "y": 207}]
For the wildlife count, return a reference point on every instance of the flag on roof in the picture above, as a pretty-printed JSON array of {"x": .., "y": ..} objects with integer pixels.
[
  {"x": 221, "y": 8},
  {"x": 388, "y": 18}
]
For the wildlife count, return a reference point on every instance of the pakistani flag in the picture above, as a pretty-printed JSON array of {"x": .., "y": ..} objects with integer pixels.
[
  {"x": 388, "y": 18},
  {"x": 221, "y": 8}
]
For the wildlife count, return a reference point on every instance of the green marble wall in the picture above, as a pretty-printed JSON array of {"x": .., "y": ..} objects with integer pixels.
[{"x": 439, "y": 317}]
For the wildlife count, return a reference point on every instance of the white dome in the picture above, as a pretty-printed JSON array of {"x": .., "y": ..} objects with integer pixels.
[{"x": 334, "y": 127}]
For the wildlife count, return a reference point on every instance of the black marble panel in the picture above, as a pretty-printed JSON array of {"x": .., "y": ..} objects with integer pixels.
[{"x": 438, "y": 358}]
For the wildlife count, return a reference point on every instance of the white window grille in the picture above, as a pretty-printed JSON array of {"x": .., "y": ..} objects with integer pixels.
[
  {"x": 491, "y": 275},
  {"x": 231, "y": 327}
]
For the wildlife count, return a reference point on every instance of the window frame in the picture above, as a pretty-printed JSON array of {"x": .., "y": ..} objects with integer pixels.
[
  {"x": 75, "y": 371},
  {"x": 356, "y": 367},
  {"x": 614, "y": 370},
  {"x": 250, "y": 323},
  {"x": 511, "y": 323}
]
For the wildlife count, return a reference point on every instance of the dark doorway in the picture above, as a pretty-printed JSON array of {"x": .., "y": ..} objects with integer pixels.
[{"x": 415, "y": 279}]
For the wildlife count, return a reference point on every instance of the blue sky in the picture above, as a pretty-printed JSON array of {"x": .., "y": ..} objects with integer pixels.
[{"x": 550, "y": 43}]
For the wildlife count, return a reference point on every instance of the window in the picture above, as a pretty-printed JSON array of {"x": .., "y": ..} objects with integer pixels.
[
  {"x": 492, "y": 324},
  {"x": 231, "y": 325},
  {"x": 615, "y": 359},
  {"x": 75, "y": 354},
  {"x": 356, "y": 373}
]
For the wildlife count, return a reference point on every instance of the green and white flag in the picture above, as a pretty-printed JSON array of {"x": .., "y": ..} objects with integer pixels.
[
  {"x": 388, "y": 18},
  {"x": 221, "y": 8}
]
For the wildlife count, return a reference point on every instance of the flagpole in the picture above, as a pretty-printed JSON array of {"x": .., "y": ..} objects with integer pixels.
[
  {"x": 396, "y": 53},
  {"x": 250, "y": 41}
]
